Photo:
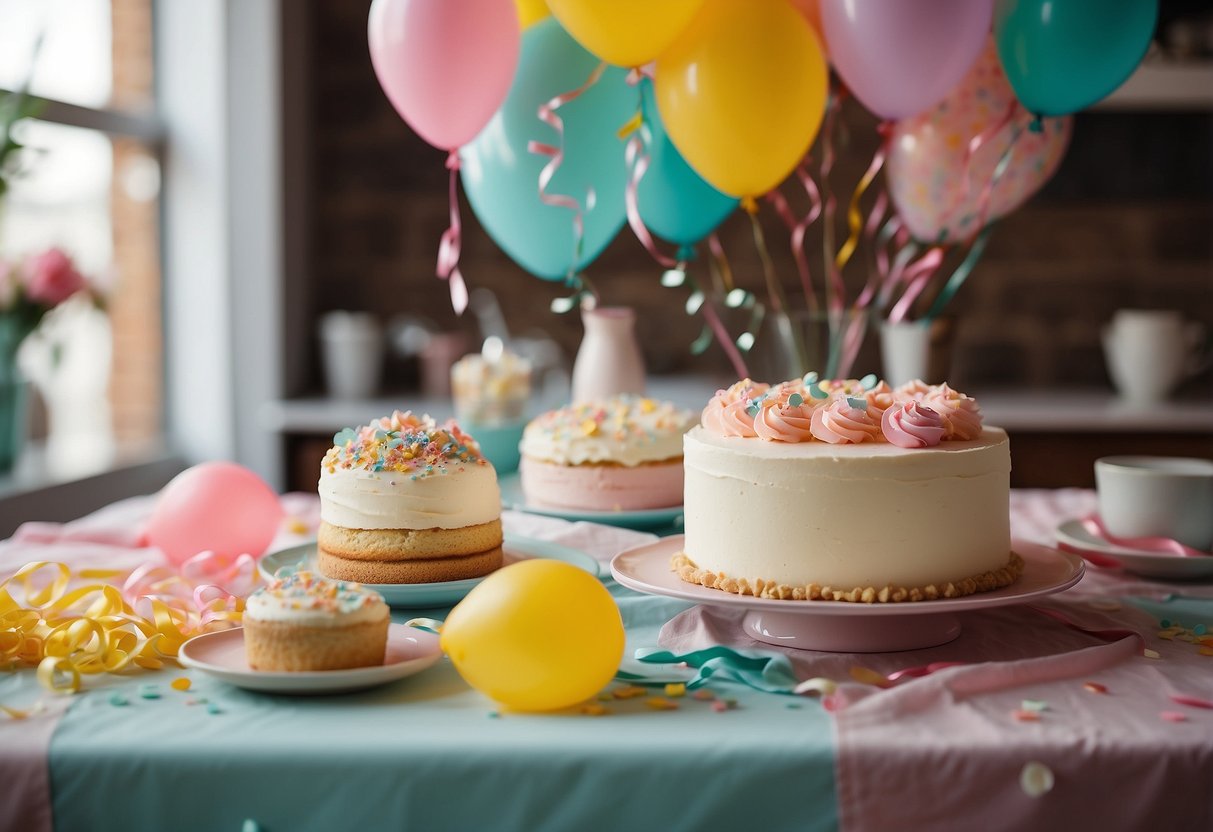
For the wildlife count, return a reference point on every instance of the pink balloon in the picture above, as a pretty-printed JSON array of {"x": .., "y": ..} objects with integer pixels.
[
  {"x": 900, "y": 57},
  {"x": 926, "y": 165},
  {"x": 219, "y": 507},
  {"x": 446, "y": 65}
]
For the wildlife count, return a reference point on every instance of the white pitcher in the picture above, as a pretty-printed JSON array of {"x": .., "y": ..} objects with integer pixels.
[{"x": 609, "y": 360}]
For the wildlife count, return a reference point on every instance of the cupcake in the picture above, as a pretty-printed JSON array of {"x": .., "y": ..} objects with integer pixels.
[
  {"x": 304, "y": 622},
  {"x": 620, "y": 454},
  {"x": 406, "y": 501}
]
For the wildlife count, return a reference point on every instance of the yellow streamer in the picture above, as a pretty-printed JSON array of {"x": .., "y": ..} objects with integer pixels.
[
  {"x": 854, "y": 217},
  {"x": 631, "y": 125},
  {"x": 92, "y": 629}
]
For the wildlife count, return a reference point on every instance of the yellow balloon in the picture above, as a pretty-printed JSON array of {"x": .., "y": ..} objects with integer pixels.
[
  {"x": 742, "y": 93},
  {"x": 625, "y": 32},
  {"x": 537, "y": 635},
  {"x": 531, "y": 12}
]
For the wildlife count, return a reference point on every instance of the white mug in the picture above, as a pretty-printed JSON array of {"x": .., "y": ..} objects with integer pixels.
[
  {"x": 351, "y": 346},
  {"x": 1149, "y": 352},
  {"x": 1157, "y": 496}
]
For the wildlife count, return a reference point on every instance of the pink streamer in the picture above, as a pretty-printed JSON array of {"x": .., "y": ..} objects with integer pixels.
[
  {"x": 1159, "y": 545},
  {"x": 452, "y": 243},
  {"x": 835, "y": 290},
  {"x": 799, "y": 227},
  {"x": 726, "y": 342},
  {"x": 638, "y": 164},
  {"x": 547, "y": 114},
  {"x": 983, "y": 137},
  {"x": 916, "y": 278}
]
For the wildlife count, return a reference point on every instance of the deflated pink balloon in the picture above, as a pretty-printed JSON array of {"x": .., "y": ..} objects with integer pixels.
[
  {"x": 218, "y": 507},
  {"x": 446, "y": 65},
  {"x": 900, "y": 57}
]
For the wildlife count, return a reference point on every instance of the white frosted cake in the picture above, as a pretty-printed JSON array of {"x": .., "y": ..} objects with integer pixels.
[{"x": 846, "y": 491}]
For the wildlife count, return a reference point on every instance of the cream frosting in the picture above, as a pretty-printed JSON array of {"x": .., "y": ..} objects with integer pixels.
[
  {"x": 842, "y": 422},
  {"x": 912, "y": 425},
  {"x": 306, "y": 598},
  {"x": 847, "y": 515},
  {"x": 624, "y": 430},
  {"x": 406, "y": 472}
]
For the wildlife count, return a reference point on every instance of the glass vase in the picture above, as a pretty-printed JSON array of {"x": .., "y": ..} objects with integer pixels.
[{"x": 13, "y": 393}]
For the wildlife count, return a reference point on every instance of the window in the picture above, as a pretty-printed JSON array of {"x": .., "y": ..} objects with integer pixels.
[{"x": 91, "y": 175}]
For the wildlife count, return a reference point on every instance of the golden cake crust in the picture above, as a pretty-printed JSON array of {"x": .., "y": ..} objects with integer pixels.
[
  {"x": 292, "y": 646},
  {"x": 415, "y": 571},
  {"x": 400, "y": 545},
  {"x": 759, "y": 588}
]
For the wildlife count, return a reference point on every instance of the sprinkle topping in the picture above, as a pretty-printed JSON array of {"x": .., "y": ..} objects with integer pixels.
[
  {"x": 307, "y": 591},
  {"x": 403, "y": 443}
]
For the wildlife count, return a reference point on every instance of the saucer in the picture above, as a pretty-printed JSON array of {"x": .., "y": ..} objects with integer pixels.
[
  {"x": 1072, "y": 537},
  {"x": 221, "y": 654},
  {"x": 440, "y": 593},
  {"x": 639, "y": 519},
  {"x": 841, "y": 627}
]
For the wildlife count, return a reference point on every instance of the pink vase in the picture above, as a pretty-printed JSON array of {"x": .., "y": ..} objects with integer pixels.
[{"x": 609, "y": 360}]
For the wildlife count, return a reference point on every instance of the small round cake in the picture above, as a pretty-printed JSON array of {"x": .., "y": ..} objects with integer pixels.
[
  {"x": 846, "y": 490},
  {"x": 621, "y": 454},
  {"x": 405, "y": 501},
  {"x": 304, "y": 622}
]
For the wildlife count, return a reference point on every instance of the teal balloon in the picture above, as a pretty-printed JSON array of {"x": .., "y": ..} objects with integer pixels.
[
  {"x": 501, "y": 176},
  {"x": 1063, "y": 55},
  {"x": 673, "y": 200}
]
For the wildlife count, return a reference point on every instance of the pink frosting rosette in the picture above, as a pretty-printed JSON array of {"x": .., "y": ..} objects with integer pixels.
[
  {"x": 915, "y": 389},
  {"x": 782, "y": 422},
  {"x": 961, "y": 414},
  {"x": 912, "y": 425},
  {"x": 728, "y": 418},
  {"x": 880, "y": 398},
  {"x": 839, "y": 423}
]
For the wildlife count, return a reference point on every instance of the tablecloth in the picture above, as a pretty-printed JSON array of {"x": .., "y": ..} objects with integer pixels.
[{"x": 943, "y": 751}]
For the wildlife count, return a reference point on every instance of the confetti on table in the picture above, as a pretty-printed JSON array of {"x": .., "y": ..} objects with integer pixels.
[
  {"x": 149, "y": 692},
  {"x": 1022, "y": 715},
  {"x": 1173, "y": 716},
  {"x": 817, "y": 686},
  {"x": 494, "y": 715},
  {"x": 180, "y": 683},
  {"x": 1034, "y": 705},
  {"x": 594, "y": 709},
  {"x": 629, "y": 692},
  {"x": 793, "y": 706},
  {"x": 213, "y": 709},
  {"x": 659, "y": 703},
  {"x": 604, "y": 696},
  {"x": 1151, "y": 654},
  {"x": 703, "y": 695},
  {"x": 118, "y": 700},
  {"x": 1191, "y": 701},
  {"x": 719, "y": 706},
  {"x": 675, "y": 690},
  {"x": 1094, "y": 687},
  {"x": 1036, "y": 779},
  {"x": 867, "y": 676}
]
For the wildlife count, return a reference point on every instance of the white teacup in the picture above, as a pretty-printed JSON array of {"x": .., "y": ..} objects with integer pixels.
[
  {"x": 1157, "y": 496},
  {"x": 1148, "y": 352}
]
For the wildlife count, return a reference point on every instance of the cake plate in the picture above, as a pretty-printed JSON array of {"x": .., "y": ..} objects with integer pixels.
[{"x": 839, "y": 626}]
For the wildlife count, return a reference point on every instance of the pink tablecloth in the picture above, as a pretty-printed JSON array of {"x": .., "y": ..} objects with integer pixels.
[{"x": 946, "y": 751}]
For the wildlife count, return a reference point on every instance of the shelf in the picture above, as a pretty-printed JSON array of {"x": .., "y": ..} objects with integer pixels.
[{"x": 1159, "y": 85}]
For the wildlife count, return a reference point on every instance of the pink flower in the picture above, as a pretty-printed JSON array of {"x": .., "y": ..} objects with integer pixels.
[
  {"x": 51, "y": 278},
  {"x": 8, "y": 285}
]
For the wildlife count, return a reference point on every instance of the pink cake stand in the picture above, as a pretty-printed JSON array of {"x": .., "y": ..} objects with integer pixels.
[{"x": 841, "y": 627}]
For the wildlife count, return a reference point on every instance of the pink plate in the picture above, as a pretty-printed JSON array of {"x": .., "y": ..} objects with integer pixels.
[
  {"x": 221, "y": 655},
  {"x": 843, "y": 627},
  {"x": 1072, "y": 536}
]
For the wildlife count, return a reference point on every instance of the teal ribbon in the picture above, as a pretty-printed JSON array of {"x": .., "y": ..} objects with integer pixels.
[
  {"x": 959, "y": 276},
  {"x": 766, "y": 672}
]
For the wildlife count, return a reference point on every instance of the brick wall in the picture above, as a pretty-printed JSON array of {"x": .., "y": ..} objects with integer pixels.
[{"x": 1126, "y": 222}]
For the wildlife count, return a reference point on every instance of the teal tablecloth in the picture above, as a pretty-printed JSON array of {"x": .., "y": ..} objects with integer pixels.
[{"x": 429, "y": 753}]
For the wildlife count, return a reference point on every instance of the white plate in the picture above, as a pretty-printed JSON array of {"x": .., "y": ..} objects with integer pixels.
[
  {"x": 845, "y": 627},
  {"x": 1072, "y": 537},
  {"x": 513, "y": 498},
  {"x": 222, "y": 655},
  {"x": 440, "y": 594}
]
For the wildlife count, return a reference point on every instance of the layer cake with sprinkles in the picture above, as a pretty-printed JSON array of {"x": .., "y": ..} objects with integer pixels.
[
  {"x": 404, "y": 500},
  {"x": 303, "y": 622},
  {"x": 623, "y": 453},
  {"x": 846, "y": 490}
]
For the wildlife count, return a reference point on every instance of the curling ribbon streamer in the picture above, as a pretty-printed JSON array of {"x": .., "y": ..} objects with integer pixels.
[
  {"x": 854, "y": 216},
  {"x": 916, "y": 278},
  {"x": 983, "y": 137},
  {"x": 722, "y": 262},
  {"x": 799, "y": 229},
  {"x": 835, "y": 290},
  {"x": 94, "y": 628},
  {"x": 547, "y": 114},
  {"x": 638, "y": 164},
  {"x": 452, "y": 243},
  {"x": 725, "y": 341}
]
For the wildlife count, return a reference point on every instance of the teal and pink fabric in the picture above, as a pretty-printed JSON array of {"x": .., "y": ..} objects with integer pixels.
[{"x": 942, "y": 751}]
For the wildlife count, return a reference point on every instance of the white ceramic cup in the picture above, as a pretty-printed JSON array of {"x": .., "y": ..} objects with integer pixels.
[
  {"x": 351, "y": 345},
  {"x": 1157, "y": 496},
  {"x": 905, "y": 349},
  {"x": 1148, "y": 352}
]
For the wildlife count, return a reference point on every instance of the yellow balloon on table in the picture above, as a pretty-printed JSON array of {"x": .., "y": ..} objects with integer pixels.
[
  {"x": 537, "y": 635},
  {"x": 531, "y": 12},
  {"x": 742, "y": 92},
  {"x": 625, "y": 32}
]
